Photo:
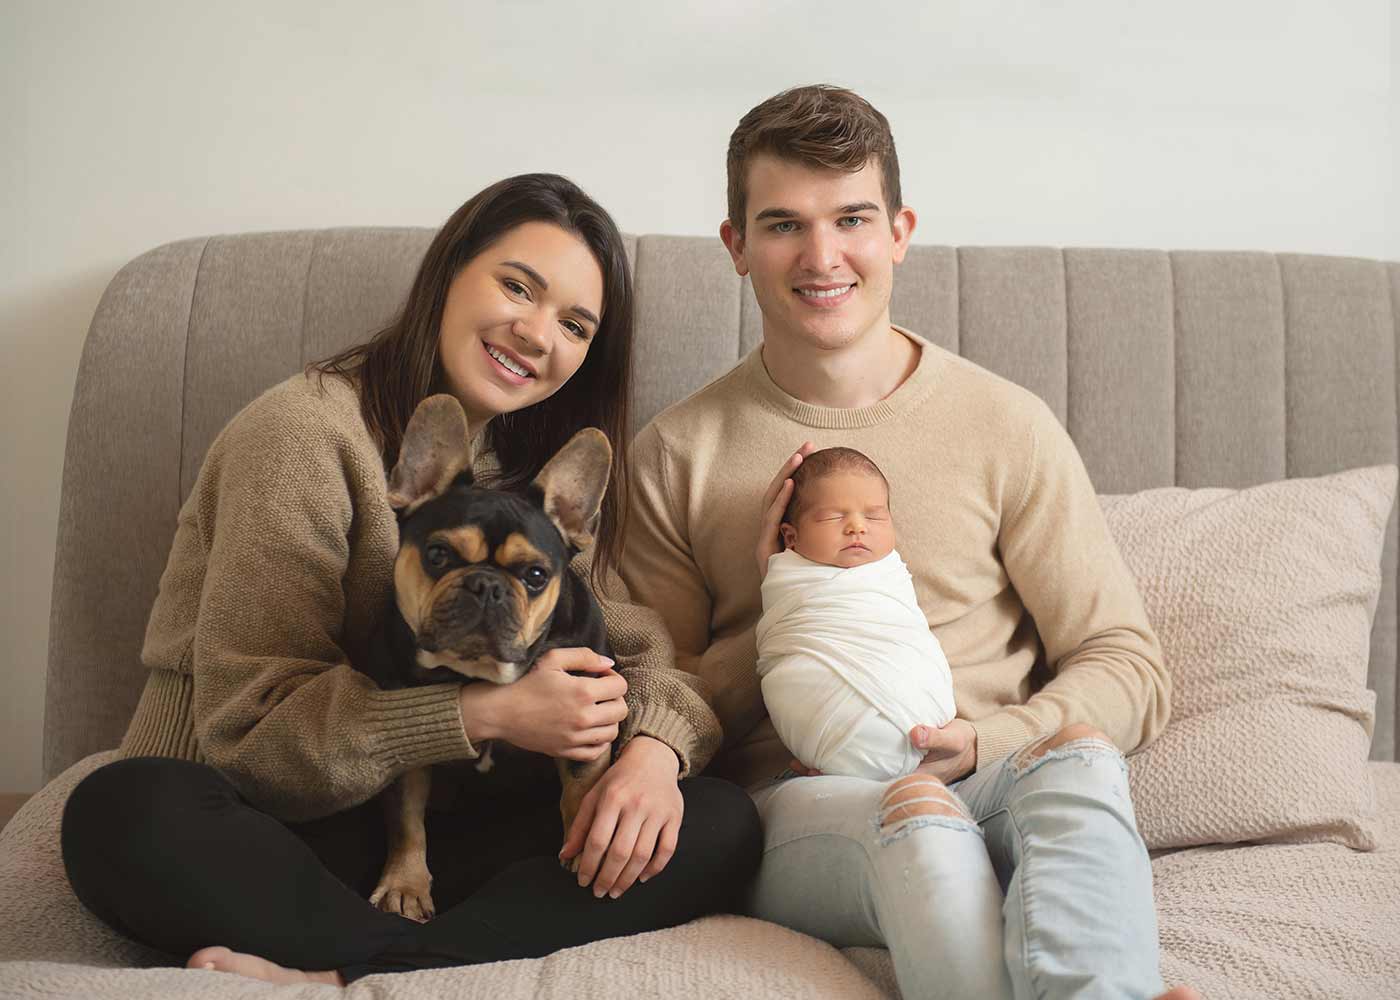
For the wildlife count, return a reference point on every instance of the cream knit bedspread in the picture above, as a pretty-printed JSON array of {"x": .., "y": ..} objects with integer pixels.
[{"x": 1242, "y": 922}]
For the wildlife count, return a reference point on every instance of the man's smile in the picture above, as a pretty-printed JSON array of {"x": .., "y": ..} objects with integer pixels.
[{"x": 825, "y": 296}]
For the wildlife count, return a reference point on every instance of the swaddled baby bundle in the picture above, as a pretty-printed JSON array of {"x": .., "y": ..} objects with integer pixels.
[{"x": 848, "y": 665}]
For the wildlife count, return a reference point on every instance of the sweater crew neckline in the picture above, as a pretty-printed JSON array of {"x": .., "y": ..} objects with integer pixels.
[{"x": 908, "y": 394}]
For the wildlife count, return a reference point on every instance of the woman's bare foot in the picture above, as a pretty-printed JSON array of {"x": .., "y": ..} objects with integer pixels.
[
  {"x": 1180, "y": 993},
  {"x": 223, "y": 960}
]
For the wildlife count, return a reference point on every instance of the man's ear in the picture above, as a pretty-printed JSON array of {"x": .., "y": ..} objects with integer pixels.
[
  {"x": 573, "y": 483},
  {"x": 435, "y": 450},
  {"x": 789, "y": 534},
  {"x": 734, "y": 243},
  {"x": 902, "y": 225}
]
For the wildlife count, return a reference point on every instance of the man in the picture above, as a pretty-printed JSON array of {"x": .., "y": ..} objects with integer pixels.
[{"x": 1018, "y": 861}]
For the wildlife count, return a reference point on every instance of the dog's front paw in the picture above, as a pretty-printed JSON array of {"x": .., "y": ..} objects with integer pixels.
[{"x": 405, "y": 893}]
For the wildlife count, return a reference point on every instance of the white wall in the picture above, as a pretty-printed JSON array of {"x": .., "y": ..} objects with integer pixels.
[{"x": 1200, "y": 123}]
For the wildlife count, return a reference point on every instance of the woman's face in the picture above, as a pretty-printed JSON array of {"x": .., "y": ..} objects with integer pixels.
[{"x": 518, "y": 320}]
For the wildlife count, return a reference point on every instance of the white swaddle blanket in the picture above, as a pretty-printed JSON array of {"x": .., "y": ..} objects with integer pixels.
[{"x": 848, "y": 665}]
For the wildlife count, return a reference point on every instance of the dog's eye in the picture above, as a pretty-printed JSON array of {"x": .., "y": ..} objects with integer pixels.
[
  {"x": 535, "y": 579},
  {"x": 439, "y": 556}
]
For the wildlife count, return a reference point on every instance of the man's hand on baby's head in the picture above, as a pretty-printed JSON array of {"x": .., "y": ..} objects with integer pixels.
[{"x": 775, "y": 501}]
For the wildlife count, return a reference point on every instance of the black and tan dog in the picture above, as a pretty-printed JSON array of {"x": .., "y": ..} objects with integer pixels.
[{"x": 482, "y": 588}]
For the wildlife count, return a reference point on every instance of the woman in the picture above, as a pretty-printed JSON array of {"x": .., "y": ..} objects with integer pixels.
[{"x": 238, "y": 829}]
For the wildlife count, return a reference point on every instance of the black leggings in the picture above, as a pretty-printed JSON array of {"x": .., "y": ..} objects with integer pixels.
[{"x": 169, "y": 854}]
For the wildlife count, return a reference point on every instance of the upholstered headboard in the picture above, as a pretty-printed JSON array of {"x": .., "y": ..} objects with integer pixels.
[{"x": 1185, "y": 368}]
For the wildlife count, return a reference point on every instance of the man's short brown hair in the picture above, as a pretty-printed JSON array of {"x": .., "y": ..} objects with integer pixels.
[{"x": 818, "y": 126}]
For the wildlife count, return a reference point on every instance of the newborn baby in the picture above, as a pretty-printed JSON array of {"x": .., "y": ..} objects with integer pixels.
[{"x": 847, "y": 662}]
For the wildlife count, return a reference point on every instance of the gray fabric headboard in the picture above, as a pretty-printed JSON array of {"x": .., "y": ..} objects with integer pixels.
[{"x": 1185, "y": 368}]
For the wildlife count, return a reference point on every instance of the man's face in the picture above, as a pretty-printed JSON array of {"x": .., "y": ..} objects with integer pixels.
[
  {"x": 820, "y": 249},
  {"x": 844, "y": 521}
]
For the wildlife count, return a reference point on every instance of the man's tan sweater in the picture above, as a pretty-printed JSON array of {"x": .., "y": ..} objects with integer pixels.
[
  {"x": 1012, "y": 560},
  {"x": 279, "y": 575}
]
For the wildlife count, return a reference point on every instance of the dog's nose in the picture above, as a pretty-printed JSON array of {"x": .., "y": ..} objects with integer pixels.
[{"x": 487, "y": 589}]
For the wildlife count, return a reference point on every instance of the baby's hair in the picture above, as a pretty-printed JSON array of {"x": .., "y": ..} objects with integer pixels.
[{"x": 821, "y": 464}]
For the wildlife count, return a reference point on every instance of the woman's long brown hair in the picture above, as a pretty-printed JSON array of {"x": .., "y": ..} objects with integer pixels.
[{"x": 400, "y": 366}]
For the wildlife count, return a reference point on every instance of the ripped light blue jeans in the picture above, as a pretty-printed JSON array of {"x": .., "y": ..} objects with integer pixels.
[{"x": 1031, "y": 880}]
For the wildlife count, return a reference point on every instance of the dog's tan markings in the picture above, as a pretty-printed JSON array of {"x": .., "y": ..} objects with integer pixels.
[
  {"x": 413, "y": 589},
  {"x": 404, "y": 884},
  {"x": 537, "y": 612},
  {"x": 577, "y": 779},
  {"x": 517, "y": 550},
  {"x": 469, "y": 542}
]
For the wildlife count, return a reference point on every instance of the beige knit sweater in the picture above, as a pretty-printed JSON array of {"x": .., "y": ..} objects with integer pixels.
[
  {"x": 1012, "y": 561},
  {"x": 280, "y": 572}
]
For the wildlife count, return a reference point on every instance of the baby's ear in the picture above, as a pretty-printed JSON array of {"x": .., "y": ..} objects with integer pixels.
[{"x": 789, "y": 534}]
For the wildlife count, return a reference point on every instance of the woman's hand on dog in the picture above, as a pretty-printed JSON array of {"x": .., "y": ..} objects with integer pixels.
[
  {"x": 550, "y": 710},
  {"x": 628, "y": 822}
]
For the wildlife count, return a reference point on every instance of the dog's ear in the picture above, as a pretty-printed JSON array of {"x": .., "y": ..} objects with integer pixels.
[
  {"x": 573, "y": 483},
  {"x": 434, "y": 452}
]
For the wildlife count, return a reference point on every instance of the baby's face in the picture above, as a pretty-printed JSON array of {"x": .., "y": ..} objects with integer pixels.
[{"x": 844, "y": 521}]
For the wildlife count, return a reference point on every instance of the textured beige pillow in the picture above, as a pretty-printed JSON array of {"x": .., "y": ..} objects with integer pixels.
[{"x": 1263, "y": 600}]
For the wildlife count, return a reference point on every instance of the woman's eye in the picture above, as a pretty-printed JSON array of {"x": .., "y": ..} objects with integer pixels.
[
  {"x": 576, "y": 329},
  {"x": 535, "y": 579},
  {"x": 438, "y": 556},
  {"x": 516, "y": 287}
]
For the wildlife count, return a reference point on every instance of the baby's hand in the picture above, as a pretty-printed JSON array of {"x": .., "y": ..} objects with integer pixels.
[
  {"x": 775, "y": 501},
  {"x": 802, "y": 769}
]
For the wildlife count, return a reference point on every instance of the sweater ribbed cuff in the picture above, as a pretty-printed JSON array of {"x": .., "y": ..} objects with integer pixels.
[
  {"x": 163, "y": 725},
  {"x": 416, "y": 726},
  {"x": 998, "y": 737},
  {"x": 661, "y": 723}
]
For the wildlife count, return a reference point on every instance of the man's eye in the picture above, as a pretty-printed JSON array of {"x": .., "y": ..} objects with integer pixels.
[
  {"x": 850, "y": 221},
  {"x": 438, "y": 555},
  {"x": 535, "y": 579},
  {"x": 784, "y": 227}
]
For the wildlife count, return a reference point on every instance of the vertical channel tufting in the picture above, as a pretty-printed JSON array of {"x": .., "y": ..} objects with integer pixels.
[
  {"x": 1012, "y": 319},
  {"x": 1176, "y": 371},
  {"x": 358, "y": 281},
  {"x": 306, "y": 297},
  {"x": 1121, "y": 367},
  {"x": 1342, "y": 411},
  {"x": 687, "y": 302},
  {"x": 119, "y": 502},
  {"x": 245, "y": 332},
  {"x": 185, "y": 374},
  {"x": 1394, "y": 272},
  {"x": 924, "y": 298},
  {"x": 1230, "y": 418}
]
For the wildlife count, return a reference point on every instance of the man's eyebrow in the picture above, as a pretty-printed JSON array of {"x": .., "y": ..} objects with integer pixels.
[
  {"x": 787, "y": 213},
  {"x": 539, "y": 279}
]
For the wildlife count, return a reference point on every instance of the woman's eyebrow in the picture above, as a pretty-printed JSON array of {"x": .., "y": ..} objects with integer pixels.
[
  {"x": 530, "y": 272},
  {"x": 539, "y": 279}
]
